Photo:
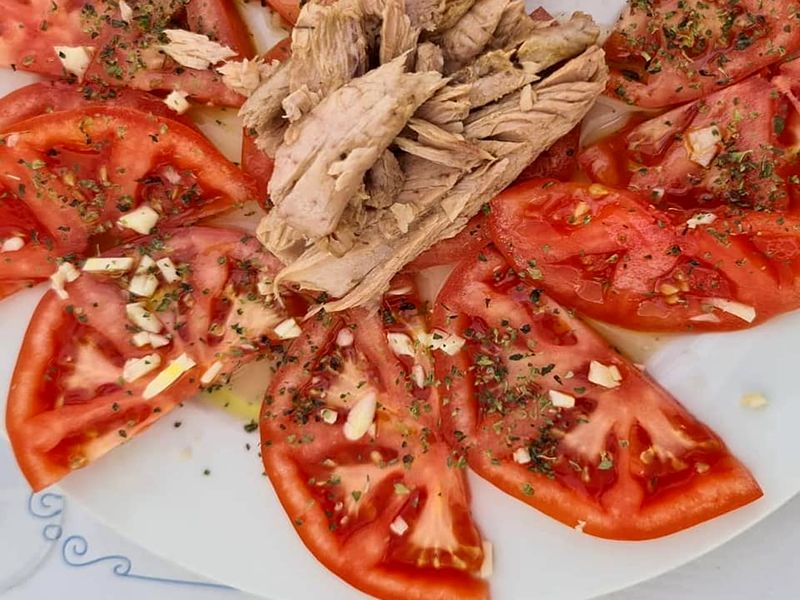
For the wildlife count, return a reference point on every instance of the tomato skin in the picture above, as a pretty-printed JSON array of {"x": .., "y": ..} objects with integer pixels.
[
  {"x": 652, "y": 69},
  {"x": 622, "y": 261},
  {"x": 25, "y": 46},
  {"x": 68, "y": 403},
  {"x": 54, "y": 96},
  {"x": 258, "y": 165},
  {"x": 148, "y": 144},
  {"x": 221, "y": 21},
  {"x": 288, "y": 9},
  {"x": 255, "y": 162},
  {"x": 489, "y": 415},
  {"x": 444, "y": 252},
  {"x": 559, "y": 161},
  {"x": 311, "y": 478}
]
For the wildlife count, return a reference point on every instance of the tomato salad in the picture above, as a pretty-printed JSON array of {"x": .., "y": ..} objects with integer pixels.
[{"x": 684, "y": 220}]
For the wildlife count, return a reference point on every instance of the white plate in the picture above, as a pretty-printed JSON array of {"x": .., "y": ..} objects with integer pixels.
[{"x": 229, "y": 526}]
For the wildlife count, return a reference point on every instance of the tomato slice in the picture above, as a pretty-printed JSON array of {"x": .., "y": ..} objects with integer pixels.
[
  {"x": 30, "y": 29},
  {"x": 68, "y": 178},
  {"x": 350, "y": 441},
  {"x": 734, "y": 147},
  {"x": 613, "y": 257},
  {"x": 665, "y": 52},
  {"x": 445, "y": 252},
  {"x": 544, "y": 409},
  {"x": 123, "y": 51},
  {"x": 220, "y": 21},
  {"x": 255, "y": 162},
  {"x": 560, "y": 161},
  {"x": 54, "y": 96},
  {"x": 85, "y": 380},
  {"x": 288, "y": 9}
]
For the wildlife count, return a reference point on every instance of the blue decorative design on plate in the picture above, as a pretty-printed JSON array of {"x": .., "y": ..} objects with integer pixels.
[{"x": 74, "y": 548}]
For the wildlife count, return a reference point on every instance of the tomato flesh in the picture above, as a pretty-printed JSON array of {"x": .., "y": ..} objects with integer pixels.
[
  {"x": 614, "y": 455},
  {"x": 122, "y": 53},
  {"x": 385, "y": 508},
  {"x": 73, "y": 174},
  {"x": 613, "y": 257},
  {"x": 665, "y": 52},
  {"x": 70, "y": 401}
]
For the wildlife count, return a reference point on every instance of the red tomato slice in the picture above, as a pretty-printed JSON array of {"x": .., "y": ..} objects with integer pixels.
[
  {"x": 614, "y": 258},
  {"x": 544, "y": 409},
  {"x": 74, "y": 396},
  {"x": 123, "y": 53},
  {"x": 29, "y": 30},
  {"x": 54, "y": 96},
  {"x": 221, "y": 21},
  {"x": 664, "y": 52},
  {"x": 288, "y": 9},
  {"x": 560, "y": 161},
  {"x": 255, "y": 162},
  {"x": 732, "y": 148},
  {"x": 69, "y": 177},
  {"x": 350, "y": 442},
  {"x": 473, "y": 237}
]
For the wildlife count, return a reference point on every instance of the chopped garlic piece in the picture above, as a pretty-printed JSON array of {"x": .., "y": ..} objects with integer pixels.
[
  {"x": 125, "y": 11},
  {"x": 145, "y": 338},
  {"x": 75, "y": 59},
  {"x": 194, "y": 50},
  {"x": 418, "y": 376},
  {"x": 12, "y": 244},
  {"x": 448, "y": 343},
  {"x": 243, "y": 76},
  {"x": 560, "y": 399},
  {"x": 143, "y": 285},
  {"x": 139, "y": 367},
  {"x": 398, "y": 526},
  {"x": 264, "y": 287},
  {"x": 701, "y": 219},
  {"x": 737, "y": 309},
  {"x": 522, "y": 456},
  {"x": 580, "y": 526},
  {"x": 288, "y": 329},
  {"x": 108, "y": 265},
  {"x": 329, "y": 416},
  {"x": 211, "y": 373},
  {"x": 173, "y": 371},
  {"x": 598, "y": 191},
  {"x": 168, "y": 270},
  {"x": 604, "y": 375},
  {"x": 360, "y": 417},
  {"x": 139, "y": 315},
  {"x": 176, "y": 100},
  {"x": 345, "y": 338},
  {"x": 487, "y": 567},
  {"x": 142, "y": 220},
  {"x": 66, "y": 273},
  {"x": 706, "y": 318},
  {"x": 754, "y": 400},
  {"x": 400, "y": 344},
  {"x": 702, "y": 145}
]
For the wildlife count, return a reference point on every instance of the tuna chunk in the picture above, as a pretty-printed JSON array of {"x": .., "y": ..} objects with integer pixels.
[
  {"x": 398, "y": 36},
  {"x": 471, "y": 34},
  {"x": 561, "y": 101},
  {"x": 384, "y": 181},
  {"x": 329, "y": 47},
  {"x": 263, "y": 111},
  {"x": 324, "y": 156}
]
